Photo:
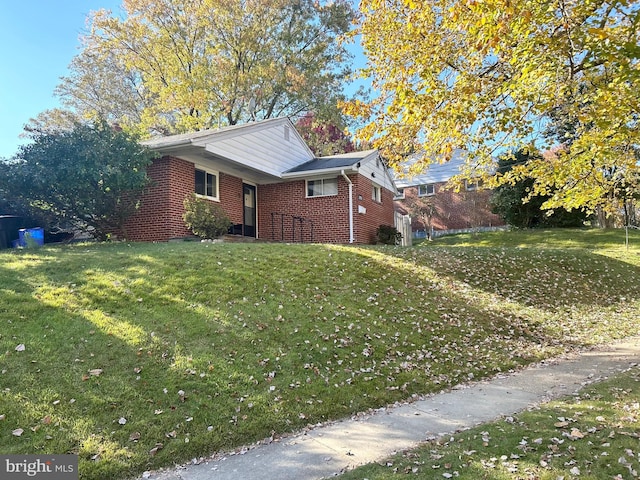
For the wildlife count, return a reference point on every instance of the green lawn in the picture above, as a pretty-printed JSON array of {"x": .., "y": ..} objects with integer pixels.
[
  {"x": 591, "y": 436},
  {"x": 140, "y": 355}
]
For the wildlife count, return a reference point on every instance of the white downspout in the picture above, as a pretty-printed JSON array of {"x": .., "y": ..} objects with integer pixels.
[{"x": 351, "y": 239}]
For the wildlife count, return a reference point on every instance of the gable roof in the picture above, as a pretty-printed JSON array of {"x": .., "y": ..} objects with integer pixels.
[
  {"x": 245, "y": 150},
  {"x": 331, "y": 164},
  {"x": 435, "y": 173},
  {"x": 266, "y": 151}
]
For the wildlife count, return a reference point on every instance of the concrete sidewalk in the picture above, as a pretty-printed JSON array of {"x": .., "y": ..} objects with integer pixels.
[{"x": 326, "y": 451}]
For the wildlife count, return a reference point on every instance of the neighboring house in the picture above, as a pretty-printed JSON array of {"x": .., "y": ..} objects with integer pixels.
[
  {"x": 436, "y": 209},
  {"x": 269, "y": 183}
]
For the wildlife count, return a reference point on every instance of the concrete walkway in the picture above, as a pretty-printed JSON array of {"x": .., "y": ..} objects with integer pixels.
[{"x": 326, "y": 451}]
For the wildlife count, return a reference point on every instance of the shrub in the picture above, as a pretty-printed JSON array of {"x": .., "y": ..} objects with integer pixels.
[
  {"x": 388, "y": 235},
  {"x": 204, "y": 218}
]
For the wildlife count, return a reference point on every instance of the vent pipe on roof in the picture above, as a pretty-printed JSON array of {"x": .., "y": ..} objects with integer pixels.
[{"x": 351, "y": 239}]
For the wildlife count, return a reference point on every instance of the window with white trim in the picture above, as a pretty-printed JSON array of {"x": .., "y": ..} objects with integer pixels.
[
  {"x": 206, "y": 183},
  {"x": 322, "y": 187},
  {"x": 471, "y": 185},
  {"x": 426, "y": 190},
  {"x": 376, "y": 193}
]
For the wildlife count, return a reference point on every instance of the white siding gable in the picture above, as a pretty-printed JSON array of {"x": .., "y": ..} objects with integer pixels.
[
  {"x": 271, "y": 146},
  {"x": 375, "y": 170}
]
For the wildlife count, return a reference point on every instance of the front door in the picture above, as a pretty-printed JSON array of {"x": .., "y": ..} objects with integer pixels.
[{"x": 249, "y": 222}]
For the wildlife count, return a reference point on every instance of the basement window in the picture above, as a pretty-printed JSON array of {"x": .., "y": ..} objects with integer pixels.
[
  {"x": 322, "y": 187},
  {"x": 206, "y": 184}
]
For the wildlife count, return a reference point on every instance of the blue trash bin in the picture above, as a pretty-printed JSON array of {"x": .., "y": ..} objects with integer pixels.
[{"x": 30, "y": 237}]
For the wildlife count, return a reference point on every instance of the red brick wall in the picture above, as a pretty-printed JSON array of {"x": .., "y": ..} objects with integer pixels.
[
  {"x": 160, "y": 215},
  {"x": 231, "y": 200},
  {"x": 377, "y": 213},
  {"x": 162, "y": 205},
  {"x": 453, "y": 210},
  {"x": 330, "y": 214}
]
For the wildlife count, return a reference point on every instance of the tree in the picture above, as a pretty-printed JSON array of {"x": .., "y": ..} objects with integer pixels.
[
  {"x": 324, "y": 137},
  {"x": 515, "y": 204},
  {"x": 424, "y": 209},
  {"x": 172, "y": 66},
  {"x": 88, "y": 178},
  {"x": 622, "y": 193},
  {"x": 486, "y": 76}
]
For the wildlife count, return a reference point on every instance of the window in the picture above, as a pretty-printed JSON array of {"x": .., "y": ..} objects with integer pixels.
[
  {"x": 322, "y": 187},
  {"x": 376, "y": 194},
  {"x": 400, "y": 195},
  {"x": 206, "y": 183},
  {"x": 426, "y": 190},
  {"x": 472, "y": 184}
]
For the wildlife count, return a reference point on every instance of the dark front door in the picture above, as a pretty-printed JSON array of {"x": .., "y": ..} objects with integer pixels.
[{"x": 249, "y": 195}]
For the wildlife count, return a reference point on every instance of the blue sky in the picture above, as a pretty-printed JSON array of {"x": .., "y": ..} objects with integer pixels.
[{"x": 38, "y": 39}]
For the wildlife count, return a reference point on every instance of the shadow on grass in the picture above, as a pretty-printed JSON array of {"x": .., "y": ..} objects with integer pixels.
[{"x": 259, "y": 339}]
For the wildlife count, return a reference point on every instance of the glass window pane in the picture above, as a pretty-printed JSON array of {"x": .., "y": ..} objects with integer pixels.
[
  {"x": 330, "y": 186},
  {"x": 211, "y": 185},
  {"x": 200, "y": 182}
]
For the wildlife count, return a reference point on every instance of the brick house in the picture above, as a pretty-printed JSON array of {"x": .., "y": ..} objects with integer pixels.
[
  {"x": 435, "y": 209},
  {"x": 269, "y": 183}
]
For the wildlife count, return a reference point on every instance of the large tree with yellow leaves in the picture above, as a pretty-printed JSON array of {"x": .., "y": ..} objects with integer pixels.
[
  {"x": 172, "y": 66},
  {"x": 490, "y": 75}
]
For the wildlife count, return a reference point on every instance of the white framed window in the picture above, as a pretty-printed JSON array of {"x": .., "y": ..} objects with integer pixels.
[
  {"x": 471, "y": 185},
  {"x": 376, "y": 193},
  {"x": 400, "y": 195},
  {"x": 322, "y": 187},
  {"x": 426, "y": 190},
  {"x": 206, "y": 183}
]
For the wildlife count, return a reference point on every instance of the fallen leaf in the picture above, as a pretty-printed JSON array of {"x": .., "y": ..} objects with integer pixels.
[
  {"x": 17, "y": 432},
  {"x": 122, "y": 421},
  {"x": 3, "y": 416},
  {"x": 47, "y": 420},
  {"x": 134, "y": 437},
  {"x": 20, "y": 348},
  {"x": 575, "y": 433},
  {"x": 155, "y": 449},
  {"x": 95, "y": 372},
  {"x": 561, "y": 424}
]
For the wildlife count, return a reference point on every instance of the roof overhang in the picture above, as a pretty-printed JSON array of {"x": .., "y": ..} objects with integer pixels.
[{"x": 323, "y": 172}]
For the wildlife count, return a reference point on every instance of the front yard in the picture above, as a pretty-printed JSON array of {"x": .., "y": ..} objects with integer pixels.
[{"x": 135, "y": 356}]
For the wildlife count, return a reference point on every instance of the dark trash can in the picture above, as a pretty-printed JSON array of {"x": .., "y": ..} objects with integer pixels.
[{"x": 10, "y": 226}]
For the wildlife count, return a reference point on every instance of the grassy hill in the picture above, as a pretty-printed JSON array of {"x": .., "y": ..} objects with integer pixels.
[{"x": 135, "y": 356}]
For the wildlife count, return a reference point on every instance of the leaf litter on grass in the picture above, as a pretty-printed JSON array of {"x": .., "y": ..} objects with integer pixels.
[{"x": 211, "y": 360}]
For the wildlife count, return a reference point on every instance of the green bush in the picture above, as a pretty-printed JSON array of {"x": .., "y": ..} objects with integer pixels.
[
  {"x": 388, "y": 235},
  {"x": 205, "y": 218}
]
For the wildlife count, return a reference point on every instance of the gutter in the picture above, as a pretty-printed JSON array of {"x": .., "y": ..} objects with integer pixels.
[
  {"x": 351, "y": 239},
  {"x": 316, "y": 173}
]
